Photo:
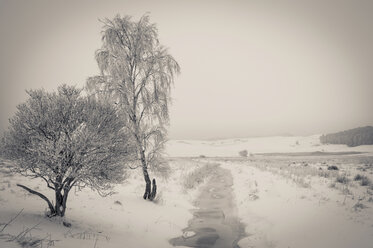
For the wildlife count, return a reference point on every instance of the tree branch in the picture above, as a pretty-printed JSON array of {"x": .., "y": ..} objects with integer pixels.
[
  {"x": 134, "y": 168},
  {"x": 38, "y": 194},
  {"x": 46, "y": 180}
]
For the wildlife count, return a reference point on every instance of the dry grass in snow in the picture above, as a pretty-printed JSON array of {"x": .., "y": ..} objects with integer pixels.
[{"x": 287, "y": 203}]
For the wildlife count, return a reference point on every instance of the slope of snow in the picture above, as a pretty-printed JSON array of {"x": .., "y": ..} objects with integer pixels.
[
  {"x": 279, "y": 213},
  {"x": 120, "y": 220},
  {"x": 277, "y": 144}
]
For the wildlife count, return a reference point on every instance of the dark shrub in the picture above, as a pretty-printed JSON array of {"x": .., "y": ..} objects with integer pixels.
[
  {"x": 365, "y": 181},
  {"x": 332, "y": 167},
  {"x": 342, "y": 179},
  {"x": 358, "y": 177}
]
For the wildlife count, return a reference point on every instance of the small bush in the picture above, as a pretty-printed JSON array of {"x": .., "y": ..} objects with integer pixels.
[
  {"x": 202, "y": 156},
  {"x": 342, "y": 179},
  {"x": 117, "y": 203},
  {"x": 358, "y": 206},
  {"x": 358, "y": 177},
  {"x": 365, "y": 181},
  {"x": 332, "y": 167},
  {"x": 66, "y": 224},
  {"x": 243, "y": 153},
  {"x": 324, "y": 174}
]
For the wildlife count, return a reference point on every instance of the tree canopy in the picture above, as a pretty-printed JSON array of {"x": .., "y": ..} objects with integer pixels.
[{"x": 68, "y": 140}]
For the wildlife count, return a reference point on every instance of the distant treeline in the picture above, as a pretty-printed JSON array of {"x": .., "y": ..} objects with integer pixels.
[{"x": 353, "y": 137}]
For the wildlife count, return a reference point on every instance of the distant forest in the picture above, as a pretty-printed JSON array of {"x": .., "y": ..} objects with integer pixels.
[{"x": 353, "y": 137}]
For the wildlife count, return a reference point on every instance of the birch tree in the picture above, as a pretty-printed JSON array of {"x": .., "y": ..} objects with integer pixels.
[
  {"x": 137, "y": 73},
  {"x": 67, "y": 140}
]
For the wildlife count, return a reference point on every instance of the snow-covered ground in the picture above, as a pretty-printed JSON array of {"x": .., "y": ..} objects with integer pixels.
[
  {"x": 294, "y": 201},
  {"x": 284, "y": 201},
  {"x": 278, "y": 144},
  {"x": 285, "y": 208},
  {"x": 121, "y": 220}
]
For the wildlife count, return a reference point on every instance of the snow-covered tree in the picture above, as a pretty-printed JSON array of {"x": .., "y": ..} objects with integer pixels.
[
  {"x": 68, "y": 140},
  {"x": 137, "y": 73}
]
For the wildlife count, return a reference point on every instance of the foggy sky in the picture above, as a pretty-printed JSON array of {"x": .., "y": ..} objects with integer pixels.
[{"x": 248, "y": 68}]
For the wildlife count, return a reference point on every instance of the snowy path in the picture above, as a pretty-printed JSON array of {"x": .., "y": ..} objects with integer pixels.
[{"x": 215, "y": 223}]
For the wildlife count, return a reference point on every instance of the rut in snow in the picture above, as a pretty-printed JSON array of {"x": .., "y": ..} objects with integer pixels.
[{"x": 214, "y": 223}]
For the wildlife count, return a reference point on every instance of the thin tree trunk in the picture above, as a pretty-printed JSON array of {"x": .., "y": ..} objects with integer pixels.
[
  {"x": 154, "y": 190},
  {"x": 146, "y": 175},
  {"x": 149, "y": 193},
  {"x": 51, "y": 208}
]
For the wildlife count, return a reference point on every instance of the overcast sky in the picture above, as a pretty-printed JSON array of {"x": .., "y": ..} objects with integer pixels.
[{"x": 248, "y": 68}]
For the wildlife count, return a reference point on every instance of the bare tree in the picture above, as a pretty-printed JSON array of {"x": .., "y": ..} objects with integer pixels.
[
  {"x": 137, "y": 74},
  {"x": 67, "y": 140}
]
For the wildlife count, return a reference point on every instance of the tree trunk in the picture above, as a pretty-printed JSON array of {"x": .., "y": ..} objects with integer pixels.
[
  {"x": 148, "y": 191},
  {"x": 64, "y": 200},
  {"x": 147, "y": 181},
  {"x": 60, "y": 207},
  {"x": 154, "y": 191},
  {"x": 61, "y": 199}
]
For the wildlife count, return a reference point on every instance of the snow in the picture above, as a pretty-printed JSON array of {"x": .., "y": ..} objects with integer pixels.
[
  {"x": 277, "y": 144},
  {"x": 120, "y": 220},
  {"x": 188, "y": 234},
  {"x": 282, "y": 200},
  {"x": 285, "y": 215},
  {"x": 291, "y": 205}
]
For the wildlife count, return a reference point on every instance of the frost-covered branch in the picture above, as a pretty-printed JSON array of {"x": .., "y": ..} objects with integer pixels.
[{"x": 67, "y": 139}]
